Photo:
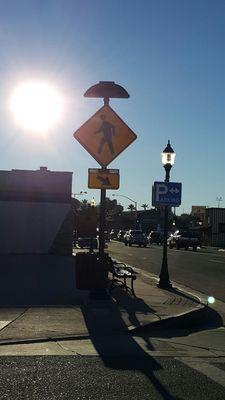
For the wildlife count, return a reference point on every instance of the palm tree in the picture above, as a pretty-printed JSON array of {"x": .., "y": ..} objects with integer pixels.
[
  {"x": 145, "y": 206},
  {"x": 131, "y": 207},
  {"x": 84, "y": 204}
]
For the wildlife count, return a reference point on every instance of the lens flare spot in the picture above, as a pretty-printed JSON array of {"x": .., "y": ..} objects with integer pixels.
[
  {"x": 37, "y": 106},
  {"x": 211, "y": 300}
]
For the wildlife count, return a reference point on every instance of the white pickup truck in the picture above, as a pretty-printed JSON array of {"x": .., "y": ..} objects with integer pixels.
[{"x": 184, "y": 239}]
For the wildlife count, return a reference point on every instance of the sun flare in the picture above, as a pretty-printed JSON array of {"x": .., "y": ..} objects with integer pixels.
[{"x": 37, "y": 106}]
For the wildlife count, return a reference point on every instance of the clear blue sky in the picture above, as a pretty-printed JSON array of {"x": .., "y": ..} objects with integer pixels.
[{"x": 168, "y": 54}]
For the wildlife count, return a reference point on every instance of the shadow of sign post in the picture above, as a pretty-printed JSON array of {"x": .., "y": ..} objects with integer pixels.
[{"x": 116, "y": 347}]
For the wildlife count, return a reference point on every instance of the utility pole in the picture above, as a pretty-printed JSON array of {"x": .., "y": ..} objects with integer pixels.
[{"x": 219, "y": 199}]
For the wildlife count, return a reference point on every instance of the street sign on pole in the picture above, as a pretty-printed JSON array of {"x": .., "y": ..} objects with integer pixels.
[
  {"x": 103, "y": 178},
  {"x": 166, "y": 194},
  {"x": 105, "y": 135}
]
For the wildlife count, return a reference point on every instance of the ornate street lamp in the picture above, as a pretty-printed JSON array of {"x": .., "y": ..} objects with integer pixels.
[{"x": 168, "y": 158}]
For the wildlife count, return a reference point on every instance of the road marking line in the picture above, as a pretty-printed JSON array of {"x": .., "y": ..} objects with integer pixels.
[
  {"x": 217, "y": 261},
  {"x": 203, "y": 366}
]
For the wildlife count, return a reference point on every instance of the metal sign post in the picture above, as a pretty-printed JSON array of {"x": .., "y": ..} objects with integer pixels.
[
  {"x": 105, "y": 135},
  {"x": 102, "y": 225}
]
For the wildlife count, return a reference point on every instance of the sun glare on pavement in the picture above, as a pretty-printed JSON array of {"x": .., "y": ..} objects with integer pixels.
[{"x": 37, "y": 106}]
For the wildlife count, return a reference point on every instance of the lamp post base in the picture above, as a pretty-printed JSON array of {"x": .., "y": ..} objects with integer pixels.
[{"x": 164, "y": 284}]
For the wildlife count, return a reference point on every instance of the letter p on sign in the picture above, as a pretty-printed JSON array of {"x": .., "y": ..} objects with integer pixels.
[{"x": 161, "y": 189}]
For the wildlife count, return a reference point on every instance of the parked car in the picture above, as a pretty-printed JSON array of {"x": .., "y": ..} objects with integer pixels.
[
  {"x": 113, "y": 234},
  {"x": 135, "y": 237},
  {"x": 155, "y": 237},
  {"x": 107, "y": 236},
  {"x": 87, "y": 242},
  {"x": 121, "y": 235},
  {"x": 184, "y": 239}
]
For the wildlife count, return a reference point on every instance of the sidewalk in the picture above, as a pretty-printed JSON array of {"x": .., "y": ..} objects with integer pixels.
[
  {"x": 152, "y": 307},
  {"x": 208, "y": 249}
]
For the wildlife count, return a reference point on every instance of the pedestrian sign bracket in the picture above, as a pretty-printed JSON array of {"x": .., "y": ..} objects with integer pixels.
[{"x": 105, "y": 135}]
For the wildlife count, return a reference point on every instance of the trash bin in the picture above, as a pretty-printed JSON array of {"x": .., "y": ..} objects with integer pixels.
[{"x": 90, "y": 272}]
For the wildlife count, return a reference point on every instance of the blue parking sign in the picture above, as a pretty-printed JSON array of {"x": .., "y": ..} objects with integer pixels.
[{"x": 166, "y": 194}]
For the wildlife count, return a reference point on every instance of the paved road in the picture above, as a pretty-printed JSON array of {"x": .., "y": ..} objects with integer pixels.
[
  {"x": 111, "y": 378},
  {"x": 169, "y": 365},
  {"x": 199, "y": 270}
]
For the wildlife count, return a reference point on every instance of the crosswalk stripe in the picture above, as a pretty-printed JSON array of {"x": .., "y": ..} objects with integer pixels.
[{"x": 207, "y": 369}]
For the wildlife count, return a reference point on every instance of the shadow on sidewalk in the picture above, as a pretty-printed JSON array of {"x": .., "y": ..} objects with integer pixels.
[
  {"x": 132, "y": 305},
  {"x": 113, "y": 342},
  {"x": 203, "y": 319}
]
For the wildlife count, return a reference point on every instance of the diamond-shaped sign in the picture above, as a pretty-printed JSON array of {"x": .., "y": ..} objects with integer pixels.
[{"x": 105, "y": 135}]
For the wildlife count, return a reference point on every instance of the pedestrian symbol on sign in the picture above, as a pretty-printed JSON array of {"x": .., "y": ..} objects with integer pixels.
[{"x": 108, "y": 131}]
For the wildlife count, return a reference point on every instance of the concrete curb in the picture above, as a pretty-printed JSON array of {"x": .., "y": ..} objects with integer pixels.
[
  {"x": 192, "y": 318},
  {"x": 204, "y": 317},
  {"x": 195, "y": 317},
  {"x": 9, "y": 342},
  {"x": 188, "y": 320}
]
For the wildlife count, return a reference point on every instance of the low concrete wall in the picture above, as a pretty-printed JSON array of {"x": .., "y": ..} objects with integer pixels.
[{"x": 37, "y": 280}]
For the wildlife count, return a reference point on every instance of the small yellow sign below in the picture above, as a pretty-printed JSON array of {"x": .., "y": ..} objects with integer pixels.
[
  {"x": 105, "y": 135},
  {"x": 103, "y": 179}
]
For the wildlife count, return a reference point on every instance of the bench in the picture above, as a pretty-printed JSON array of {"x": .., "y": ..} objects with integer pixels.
[{"x": 120, "y": 274}]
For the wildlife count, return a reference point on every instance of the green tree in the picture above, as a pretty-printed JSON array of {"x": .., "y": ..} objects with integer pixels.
[
  {"x": 186, "y": 221},
  {"x": 86, "y": 219},
  {"x": 113, "y": 213},
  {"x": 84, "y": 204}
]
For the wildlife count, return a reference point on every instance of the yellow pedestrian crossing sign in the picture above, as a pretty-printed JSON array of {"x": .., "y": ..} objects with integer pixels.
[
  {"x": 105, "y": 135},
  {"x": 103, "y": 178}
]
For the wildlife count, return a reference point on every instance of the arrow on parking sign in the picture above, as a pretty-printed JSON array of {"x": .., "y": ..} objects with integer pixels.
[{"x": 174, "y": 190}]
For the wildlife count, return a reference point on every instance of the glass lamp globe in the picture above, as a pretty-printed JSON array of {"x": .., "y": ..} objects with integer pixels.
[{"x": 168, "y": 155}]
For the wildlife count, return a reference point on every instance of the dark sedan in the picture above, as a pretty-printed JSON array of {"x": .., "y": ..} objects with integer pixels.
[{"x": 87, "y": 242}]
